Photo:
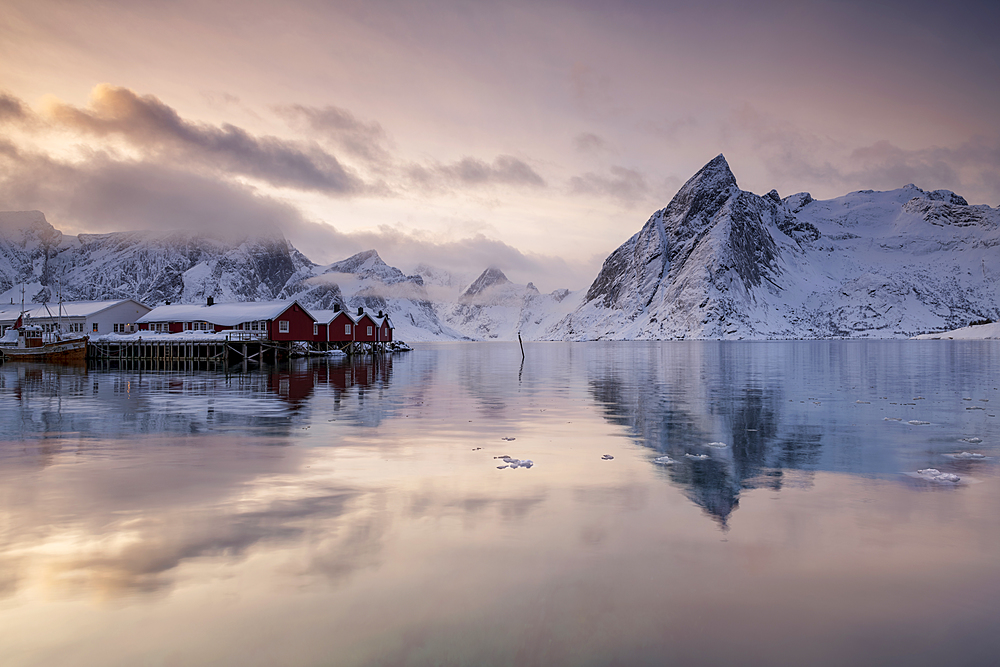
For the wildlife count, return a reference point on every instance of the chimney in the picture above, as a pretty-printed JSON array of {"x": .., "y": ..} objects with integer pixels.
[
  {"x": 211, "y": 301},
  {"x": 167, "y": 303},
  {"x": 361, "y": 311},
  {"x": 336, "y": 307},
  {"x": 380, "y": 313}
]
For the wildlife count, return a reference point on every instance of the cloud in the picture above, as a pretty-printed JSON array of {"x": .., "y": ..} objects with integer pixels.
[
  {"x": 155, "y": 128},
  {"x": 626, "y": 185},
  {"x": 469, "y": 171},
  {"x": 105, "y": 194},
  {"x": 971, "y": 168},
  {"x": 12, "y": 109},
  {"x": 365, "y": 140},
  {"x": 588, "y": 142},
  {"x": 465, "y": 258}
]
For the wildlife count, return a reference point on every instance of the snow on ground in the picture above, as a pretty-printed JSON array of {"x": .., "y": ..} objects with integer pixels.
[{"x": 978, "y": 332}]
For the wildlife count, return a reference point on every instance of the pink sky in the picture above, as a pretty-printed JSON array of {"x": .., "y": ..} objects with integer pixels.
[{"x": 536, "y": 136}]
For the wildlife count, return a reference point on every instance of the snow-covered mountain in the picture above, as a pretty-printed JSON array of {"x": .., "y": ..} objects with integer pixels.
[
  {"x": 494, "y": 308},
  {"x": 719, "y": 262},
  {"x": 152, "y": 268}
]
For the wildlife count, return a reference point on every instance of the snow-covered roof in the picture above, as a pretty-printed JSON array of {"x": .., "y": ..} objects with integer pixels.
[
  {"x": 225, "y": 314},
  {"x": 327, "y": 316},
  {"x": 69, "y": 309}
]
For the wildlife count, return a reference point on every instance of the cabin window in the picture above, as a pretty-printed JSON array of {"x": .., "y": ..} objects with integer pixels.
[
  {"x": 95, "y": 327},
  {"x": 282, "y": 326},
  {"x": 255, "y": 325},
  {"x": 315, "y": 329},
  {"x": 347, "y": 328},
  {"x": 369, "y": 331}
]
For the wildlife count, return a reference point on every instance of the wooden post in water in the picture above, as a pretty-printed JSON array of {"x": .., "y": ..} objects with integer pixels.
[{"x": 522, "y": 345}]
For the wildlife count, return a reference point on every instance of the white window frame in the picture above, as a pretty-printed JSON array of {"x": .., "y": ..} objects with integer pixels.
[
  {"x": 369, "y": 331},
  {"x": 315, "y": 329},
  {"x": 283, "y": 326},
  {"x": 347, "y": 329}
]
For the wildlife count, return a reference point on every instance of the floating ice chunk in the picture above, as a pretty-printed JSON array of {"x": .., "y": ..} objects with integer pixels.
[
  {"x": 918, "y": 398},
  {"x": 664, "y": 461},
  {"x": 502, "y": 467},
  {"x": 697, "y": 457},
  {"x": 508, "y": 439},
  {"x": 863, "y": 402},
  {"x": 976, "y": 407},
  {"x": 515, "y": 463},
  {"x": 917, "y": 422},
  {"x": 892, "y": 419},
  {"x": 972, "y": 441},
  {"x": 607, "y": 457},
  {"x": 935, "y": 475},
  {"x": 970, "y": 456},
  {"x": 717, "y": 445},
  {"x": 966, "y": 399}
]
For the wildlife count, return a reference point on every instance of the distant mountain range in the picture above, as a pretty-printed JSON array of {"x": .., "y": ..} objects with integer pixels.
[{"x": 717, "y": 262}]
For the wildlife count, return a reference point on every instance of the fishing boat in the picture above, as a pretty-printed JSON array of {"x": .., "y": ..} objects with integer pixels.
[{"x": 29, "y": 343}]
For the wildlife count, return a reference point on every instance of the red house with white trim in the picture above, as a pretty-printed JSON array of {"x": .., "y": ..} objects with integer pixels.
[{"x": 267, "y": 320}]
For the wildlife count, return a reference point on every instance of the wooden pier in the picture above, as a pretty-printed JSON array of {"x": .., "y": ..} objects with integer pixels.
[{"x": 233, "y": 348}]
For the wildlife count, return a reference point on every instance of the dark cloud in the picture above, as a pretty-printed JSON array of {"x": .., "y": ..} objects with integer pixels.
[
  {"x": 12, "y": 109},
  {"x": 156, "y": 128},
  {"x": 626, "y": 185},
  {"x": 469, "y": 171},
  {"x": 104, "y": 194},
  {"x": 365, "y": 140}
]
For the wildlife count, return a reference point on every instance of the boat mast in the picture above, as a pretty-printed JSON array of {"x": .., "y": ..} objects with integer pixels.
[{"x": 59, "y": 291}]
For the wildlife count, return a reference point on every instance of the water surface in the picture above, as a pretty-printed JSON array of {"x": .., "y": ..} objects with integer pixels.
[{"x": 353, "y": 513}]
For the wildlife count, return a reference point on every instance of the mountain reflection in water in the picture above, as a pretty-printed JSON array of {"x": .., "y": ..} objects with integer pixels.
[{"x": 359, "y": 508}]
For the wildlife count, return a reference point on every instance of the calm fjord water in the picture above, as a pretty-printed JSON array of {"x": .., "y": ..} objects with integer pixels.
[{"x": 354, "y": 513}]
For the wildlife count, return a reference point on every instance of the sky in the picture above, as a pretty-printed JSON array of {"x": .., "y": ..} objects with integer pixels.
[{"x": 532, "y": 136}]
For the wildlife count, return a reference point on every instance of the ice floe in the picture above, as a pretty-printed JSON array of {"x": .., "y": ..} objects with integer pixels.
[
  {"x": 972, "y": 441},
  {"x": 967, "y": 456},
  {"x": 935, "y": 475},
  {"x": 515, "y": 463},
  {"x": 917, "y": 422},
  {"x": 607, "y": 457},
  {"x": 697, "y": 457},
  {"x": 664, "y": 461},
  {"x": 892, "y": 419},
  {"x": 717, "y": 445}
]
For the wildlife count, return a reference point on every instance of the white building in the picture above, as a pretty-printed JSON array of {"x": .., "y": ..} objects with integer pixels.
[{"x": 90, "y": 317}]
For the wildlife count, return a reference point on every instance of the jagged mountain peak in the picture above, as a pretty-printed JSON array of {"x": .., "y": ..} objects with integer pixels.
[
  {"x": 488, "y": 278},
  {"x": 715, "y": 176},
  {"x": 367, "y": 259}
]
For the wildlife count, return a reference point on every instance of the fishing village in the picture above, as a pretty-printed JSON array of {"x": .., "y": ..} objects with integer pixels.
[{"x": 126, "y": 330}]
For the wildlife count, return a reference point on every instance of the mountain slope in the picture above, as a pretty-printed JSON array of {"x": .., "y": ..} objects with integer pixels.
[{"x": 719, "y": 262}]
